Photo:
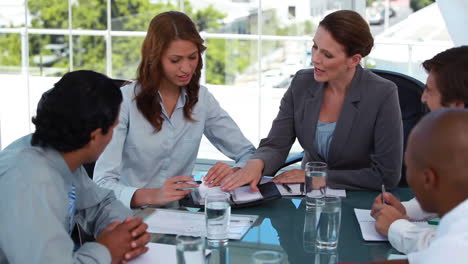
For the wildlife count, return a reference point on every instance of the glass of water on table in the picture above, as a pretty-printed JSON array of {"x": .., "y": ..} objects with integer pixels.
[
  {"x": 315, "y": 183},
  {"x": 218, "y": 214},
  {"x": 329, "y": 223}
]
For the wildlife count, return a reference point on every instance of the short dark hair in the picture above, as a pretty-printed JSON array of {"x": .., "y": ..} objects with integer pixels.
[
  {"x": 350, "y": 30},
  {"x": 79, "y": 103},
  {"x": 450, "y": 69}
]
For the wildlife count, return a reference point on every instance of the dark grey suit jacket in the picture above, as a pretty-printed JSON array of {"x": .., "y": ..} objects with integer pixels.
[{"x": 367, "y": 146}]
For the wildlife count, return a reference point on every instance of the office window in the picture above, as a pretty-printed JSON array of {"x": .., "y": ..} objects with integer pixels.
[
  {"x": 406, "y": 33},
  {"x": 254, "y": 47}
]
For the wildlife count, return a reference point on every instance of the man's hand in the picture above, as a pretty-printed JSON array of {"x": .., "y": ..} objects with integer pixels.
[
  {"x": 125, "y": 240},
  {"x": 385, "y": 217},
  {"x": 290, "y": 176},
  {"x": 389, "y": 200},
  {"x": 217, "y": 173},
  {"x": 250, "y": 174}
]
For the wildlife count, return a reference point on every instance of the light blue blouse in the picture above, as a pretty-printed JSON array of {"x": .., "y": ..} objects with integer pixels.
[
  {"x": 323, "y": 138},
  {"x": 140, "y": 157}
]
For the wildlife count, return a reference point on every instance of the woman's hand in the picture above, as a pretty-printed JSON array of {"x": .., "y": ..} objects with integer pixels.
[
  {"x": 172, "y": 189},
  {"x": 250, "y": 174},
  {"x": 290, "y": 176},
  {"x": 217, "y": 173},
  {"x": 169, "y": 192}
]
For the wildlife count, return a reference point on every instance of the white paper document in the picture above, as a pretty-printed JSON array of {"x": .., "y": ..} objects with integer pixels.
[
  {"x": 244, "y": 195},
  {"x": 159, "y": 253},
  {"x": 367, "y": 224},
  {"x": 396, "y": 256},
  {"x": 298, "y": 189},
  {"x": 177, "y": 222}
]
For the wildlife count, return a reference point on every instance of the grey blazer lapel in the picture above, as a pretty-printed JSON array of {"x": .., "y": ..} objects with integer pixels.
[
  {"x": 349, "y": 111},
  {"x": 311, "y": 113}
]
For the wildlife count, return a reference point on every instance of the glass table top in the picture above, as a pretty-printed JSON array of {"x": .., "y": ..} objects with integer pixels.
[{"x": 280, "y": 227}]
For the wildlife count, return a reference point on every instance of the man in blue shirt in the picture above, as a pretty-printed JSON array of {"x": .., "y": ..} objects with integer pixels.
[{"x": 45, "y": 191}]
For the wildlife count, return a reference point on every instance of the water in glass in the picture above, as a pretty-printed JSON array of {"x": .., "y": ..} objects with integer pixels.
[
  {"x": 218, "y": 212},
  {"x": 328, "y": 227}
]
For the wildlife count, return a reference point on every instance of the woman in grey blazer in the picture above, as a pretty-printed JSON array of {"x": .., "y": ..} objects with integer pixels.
[{"x": 341, "y": 114}]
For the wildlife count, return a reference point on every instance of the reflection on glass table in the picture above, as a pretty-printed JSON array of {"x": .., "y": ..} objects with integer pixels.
[{"x": 281, "y": 227}]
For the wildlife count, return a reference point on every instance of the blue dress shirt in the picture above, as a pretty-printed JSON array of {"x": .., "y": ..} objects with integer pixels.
[
  {"x": 138, "y": 156},
  {"x": 38, "y": 211}
]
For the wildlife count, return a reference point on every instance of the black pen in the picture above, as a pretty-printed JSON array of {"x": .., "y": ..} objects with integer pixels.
[
  {"x": 287, "y": 187},
  {"x": 189, "y": 182},
  {"x": 383, "y": 191}
]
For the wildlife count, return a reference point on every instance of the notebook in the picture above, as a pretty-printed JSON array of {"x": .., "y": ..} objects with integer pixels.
[
  {"x": 367, "y": 224},
  {"x": 240, "y": 197}
]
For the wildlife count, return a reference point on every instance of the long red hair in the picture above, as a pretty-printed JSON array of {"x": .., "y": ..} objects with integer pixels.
[{"x": 163, "y": 29}]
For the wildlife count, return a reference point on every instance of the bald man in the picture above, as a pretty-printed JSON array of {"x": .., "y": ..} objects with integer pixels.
[
  {"x": 437, "y": 165},
  {"x": 447, "y": 86}
]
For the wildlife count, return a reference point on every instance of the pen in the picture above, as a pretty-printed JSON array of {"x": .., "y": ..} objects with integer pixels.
[
  {"x": 238, "y": 221},
  {"x": 287, "y": 187},
  {"x": 383, "y": 191},
  {"x": 189, "y": 182},
  {"x": 301, "y": 188},
  {"x": 187, "y": 188}
]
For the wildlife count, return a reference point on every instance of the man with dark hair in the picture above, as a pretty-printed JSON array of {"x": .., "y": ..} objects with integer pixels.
[
  {"x": 45, "y": 191},
  {"x": 446, "y": 86},
  {"x": 447, "y": 83}
]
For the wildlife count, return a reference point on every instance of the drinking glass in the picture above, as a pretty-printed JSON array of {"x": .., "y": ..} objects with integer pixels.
[
  {"x": 310, "y": 228},
  {"x": 217, "y": 214},
  {"x": 328, "y": 227},
  {"x": 190, "y": 250},
  {"x": 315, "y": 183},
  {"x": 326, "y": 257}
]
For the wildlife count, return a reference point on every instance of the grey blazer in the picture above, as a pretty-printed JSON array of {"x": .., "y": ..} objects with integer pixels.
[{"x": 367, "y": 146}]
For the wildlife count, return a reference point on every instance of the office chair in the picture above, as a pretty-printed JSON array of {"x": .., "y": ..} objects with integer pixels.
[
  {"x": 412, "y": 110},
  {"x": 89, "y": 167}
]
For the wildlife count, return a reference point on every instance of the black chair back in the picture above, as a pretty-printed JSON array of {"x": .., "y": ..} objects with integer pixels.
[{"x": 410, "y": 91}]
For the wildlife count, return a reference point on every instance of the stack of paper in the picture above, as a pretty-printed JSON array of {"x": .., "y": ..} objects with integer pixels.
[
  {"x": 244, "y": 195},
  {"x": 177, "y": 222},
  {"x": 240, "y": 195}
]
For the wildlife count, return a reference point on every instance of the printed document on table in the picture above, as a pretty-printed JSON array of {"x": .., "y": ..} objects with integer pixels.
[
  {"x": 159, "y": 253},
  {"x": 178, "y": 222},
  {"x": 367, "y": 224}
]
